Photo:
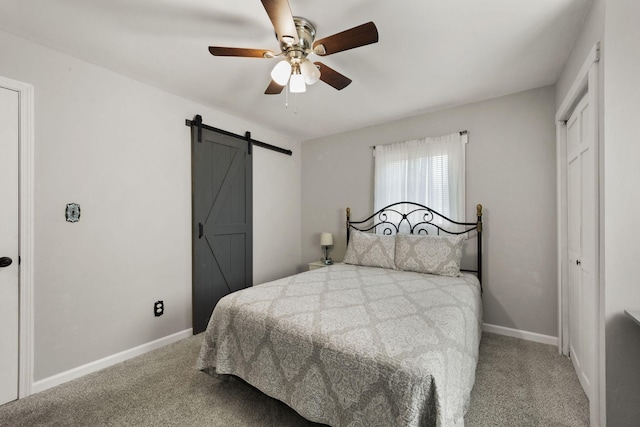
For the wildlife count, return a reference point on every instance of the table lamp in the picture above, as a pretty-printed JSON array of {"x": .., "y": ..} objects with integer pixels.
[{"x": 326, "y": 240}]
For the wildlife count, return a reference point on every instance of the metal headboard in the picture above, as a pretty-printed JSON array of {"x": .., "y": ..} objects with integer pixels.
[{"x": 414, "y": 218}]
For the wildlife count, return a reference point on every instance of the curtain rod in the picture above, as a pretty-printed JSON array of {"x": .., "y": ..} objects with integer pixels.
[
  {"x": 462, "y": 133},
  {"x": 197, "y": 121}
]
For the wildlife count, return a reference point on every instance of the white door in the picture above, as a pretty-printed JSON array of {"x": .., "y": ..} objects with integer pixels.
[
  {"x": 582, "y": 239},
  {"x": 8, "y": 245}
]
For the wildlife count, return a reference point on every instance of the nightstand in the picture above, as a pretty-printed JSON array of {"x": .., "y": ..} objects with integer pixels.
[{"x": 316, "y": 264}]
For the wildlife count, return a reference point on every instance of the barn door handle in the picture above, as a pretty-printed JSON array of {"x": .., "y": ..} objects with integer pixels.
[
  {"x": 200, "y": 230},
  {"x": 578, "y": 262},
  {"x": 5, "y": 261}
]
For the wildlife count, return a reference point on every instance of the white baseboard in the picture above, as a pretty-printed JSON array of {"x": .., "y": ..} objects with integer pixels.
[
  {"x": 97, "y": 365},
  {"x": 516, "y": 333}
]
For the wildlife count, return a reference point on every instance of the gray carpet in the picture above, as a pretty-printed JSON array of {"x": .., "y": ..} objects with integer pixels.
[{"x": 518, "y": 383}]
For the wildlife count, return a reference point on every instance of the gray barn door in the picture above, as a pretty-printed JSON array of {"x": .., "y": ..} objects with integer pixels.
[{"x": 222, "y": 220}]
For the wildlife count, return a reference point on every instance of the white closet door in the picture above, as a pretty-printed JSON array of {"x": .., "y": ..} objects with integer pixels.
[
  {"x": 581, "y": 207},
  {"x": 8, "y": 245}
]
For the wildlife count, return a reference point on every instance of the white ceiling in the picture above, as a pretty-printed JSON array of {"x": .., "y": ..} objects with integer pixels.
[{"x": 432, "y": 54}]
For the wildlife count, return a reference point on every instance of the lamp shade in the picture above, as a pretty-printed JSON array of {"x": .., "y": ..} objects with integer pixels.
[
  {"x": 326, "y": 239},
  {"x": 309, "y": 71},
  {"x": 296, "y": 84},
  {"x": 281, "y": 72}
]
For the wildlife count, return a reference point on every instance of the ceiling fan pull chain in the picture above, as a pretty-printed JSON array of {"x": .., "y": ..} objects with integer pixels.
[{"x": 286, "y": 96}]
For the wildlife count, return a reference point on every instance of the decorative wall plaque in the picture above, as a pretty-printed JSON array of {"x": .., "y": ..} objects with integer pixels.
[{"x": 72, "y": 212}]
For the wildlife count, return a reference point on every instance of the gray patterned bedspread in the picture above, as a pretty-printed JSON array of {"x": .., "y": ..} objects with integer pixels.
[{"x": 350, "y": 346}]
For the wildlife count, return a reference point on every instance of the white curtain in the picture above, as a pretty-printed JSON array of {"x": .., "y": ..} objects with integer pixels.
[{"x": 429, "y": 171}]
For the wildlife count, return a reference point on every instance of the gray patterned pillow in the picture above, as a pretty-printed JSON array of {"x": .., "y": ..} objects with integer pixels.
[
  {"x": 371, "y": 250},
  {"x": 439, "y": 255}
]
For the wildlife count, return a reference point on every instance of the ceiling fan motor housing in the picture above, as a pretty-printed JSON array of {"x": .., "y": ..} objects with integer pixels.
[{"x": 306, "y": 34}]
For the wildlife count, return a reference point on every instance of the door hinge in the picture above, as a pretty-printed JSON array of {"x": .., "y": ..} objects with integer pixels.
[{"x": 200, "y": 230}]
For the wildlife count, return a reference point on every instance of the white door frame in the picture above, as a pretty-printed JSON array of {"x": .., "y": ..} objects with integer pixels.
[
  {"x": 586, "y": 83},
  {"x": 26, "y": 227}
]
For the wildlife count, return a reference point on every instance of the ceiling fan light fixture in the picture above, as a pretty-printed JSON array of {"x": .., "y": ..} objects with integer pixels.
[
  {"x": 309, "y": 71},
  {"x": 281, "y": 72},
  {"x": 296, "y": 84}
]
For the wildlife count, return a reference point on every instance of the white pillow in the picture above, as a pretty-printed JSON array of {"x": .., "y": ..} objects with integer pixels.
[
  {"x": 371, "y": 250},
  {"x": 439, "y": 255}
]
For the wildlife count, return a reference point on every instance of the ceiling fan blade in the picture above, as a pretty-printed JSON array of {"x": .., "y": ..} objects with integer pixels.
[
  {"x": 239, "y": 51},
  {"x": 332, "y": 77},
  {"x": 273, "y": 88},
  {"x": 355, "y": 37},
  {"x": 280, "y": 14}
]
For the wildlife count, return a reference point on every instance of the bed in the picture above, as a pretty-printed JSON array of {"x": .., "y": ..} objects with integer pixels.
[{"x": 371, "y": 341}]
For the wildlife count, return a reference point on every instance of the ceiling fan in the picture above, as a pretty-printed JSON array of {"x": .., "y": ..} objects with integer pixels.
[{"x": 297, "y": 41}]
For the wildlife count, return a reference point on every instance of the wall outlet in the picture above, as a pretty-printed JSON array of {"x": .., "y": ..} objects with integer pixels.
[{"x": 158, "y": 308}]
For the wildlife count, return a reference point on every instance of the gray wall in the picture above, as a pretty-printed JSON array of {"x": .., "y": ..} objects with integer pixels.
[
  {"x": 621, "y": 205},
  {"x": 592, "y": 31},
  {"x": 511, "y": 170},
  {"x": 121, "y": 150}
]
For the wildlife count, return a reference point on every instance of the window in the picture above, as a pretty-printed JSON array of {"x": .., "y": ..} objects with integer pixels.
[{"x": 428, "y": 171}]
